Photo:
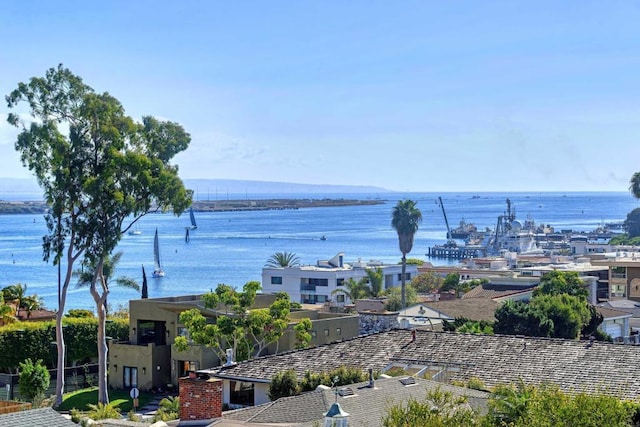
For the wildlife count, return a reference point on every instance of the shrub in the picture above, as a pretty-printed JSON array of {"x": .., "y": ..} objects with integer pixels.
[{"x": 34, "y": 379}]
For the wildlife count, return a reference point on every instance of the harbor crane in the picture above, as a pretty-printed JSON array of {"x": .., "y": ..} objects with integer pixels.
[{"x": 450, "y": 242}]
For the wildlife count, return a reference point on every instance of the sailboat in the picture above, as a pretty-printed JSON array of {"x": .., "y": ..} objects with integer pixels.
[
  {"x": 157, "y": 271},
  {"x": 193, "y": 219}
]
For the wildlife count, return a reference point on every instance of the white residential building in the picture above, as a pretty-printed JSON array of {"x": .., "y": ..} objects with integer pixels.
[{"x": 310, "y": 284}]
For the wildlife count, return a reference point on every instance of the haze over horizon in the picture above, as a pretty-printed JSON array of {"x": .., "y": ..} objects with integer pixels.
[{"x": 409, "y": 97}]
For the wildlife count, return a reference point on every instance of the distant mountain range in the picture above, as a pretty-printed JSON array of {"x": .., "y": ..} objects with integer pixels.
[
  {"x": 232, "y": 186},
  {"x": 28, "y": 189}
]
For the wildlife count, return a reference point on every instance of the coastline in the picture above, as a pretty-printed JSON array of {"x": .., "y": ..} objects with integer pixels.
[{"x": 39, "y": 207}]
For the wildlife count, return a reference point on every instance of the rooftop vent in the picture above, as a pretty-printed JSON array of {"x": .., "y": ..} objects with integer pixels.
[
  {"x": 408, "y": 381},
  {"x": 347, "y": 391}
]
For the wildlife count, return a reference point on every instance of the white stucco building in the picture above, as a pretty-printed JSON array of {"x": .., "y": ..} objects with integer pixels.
[{"x": 310, "y": 284}]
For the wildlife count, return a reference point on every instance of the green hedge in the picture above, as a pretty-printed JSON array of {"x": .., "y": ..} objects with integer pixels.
[{"x": 21, "y": 340}]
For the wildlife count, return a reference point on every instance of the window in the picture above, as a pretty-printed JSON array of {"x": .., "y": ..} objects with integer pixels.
[
  {"x": 340, "y": 298},
  {"x": 319, "y": 282},
  {"x": 130, "y": 377},
  {"x": 326, "y": 332},
  {"x": 314, "y": 334},
  {"x": 339, "y": 331},
  {"x": 340, "y": 282},
  {"x": 276, "y": 280},
  {"x": 619, "y": 272},
  {"x": 241, "y": 393}
]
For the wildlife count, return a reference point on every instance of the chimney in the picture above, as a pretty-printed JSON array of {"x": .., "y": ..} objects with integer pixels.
[
  {"x": 200, "y": 399},
  {"x": 371, "y": 383},
  {"x": 413, "y": 335}
]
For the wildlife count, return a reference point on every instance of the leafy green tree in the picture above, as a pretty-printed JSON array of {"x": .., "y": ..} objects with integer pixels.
[
  {"x": 98, "y": 168},
  {"x": 517, "y": 318},
  {"x": 427, "y": 282},
  {"x": 405, "y": 219},
  {"x": 245, "y": 330},
  {"x": 561, "y": 282},
  {"x": 283, "y": 259},
  {"x": 283, "y": 384},
  {"x": 632, "y": 223},
  {"x": 452, "y": 283},
  {"x": 394, "y": 297},
  {"x": 33, "y": 379},
  {"x": 303, "y": 333},
  {"x": 547, "y": 405},
  {"x": 566, "y": 313},
  {"x": 510, "y": 403},
  {"x": 439, "y": 409}
]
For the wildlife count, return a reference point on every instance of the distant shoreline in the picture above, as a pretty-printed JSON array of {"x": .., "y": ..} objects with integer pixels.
[{"x": 38, "y": 207}]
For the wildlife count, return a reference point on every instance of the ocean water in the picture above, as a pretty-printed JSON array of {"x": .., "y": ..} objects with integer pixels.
[{"x": 232, "y": 247}]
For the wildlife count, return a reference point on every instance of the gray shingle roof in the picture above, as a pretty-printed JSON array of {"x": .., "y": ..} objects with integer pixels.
[
  {"x": 494, "y": 359},
  {"x": 366, "y": 407},
  {"x": 35, "y": 417},
  {"x": 472, "y": 308}
]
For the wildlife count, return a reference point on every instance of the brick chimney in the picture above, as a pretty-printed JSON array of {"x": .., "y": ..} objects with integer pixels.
[{"x": 200, "y": 399}]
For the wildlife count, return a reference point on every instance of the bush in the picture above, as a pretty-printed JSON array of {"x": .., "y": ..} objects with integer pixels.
[{"x": 34, "y": 379}]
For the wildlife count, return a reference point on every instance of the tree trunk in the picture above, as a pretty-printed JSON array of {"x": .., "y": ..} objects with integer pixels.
[
  {"x": 403, "y": 301},
  {"x": 100, "y": 300},
  {"x": 61, "y": 347}
]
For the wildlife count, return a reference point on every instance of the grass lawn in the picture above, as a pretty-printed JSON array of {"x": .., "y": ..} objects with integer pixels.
[{"x": 81, "y": 398}]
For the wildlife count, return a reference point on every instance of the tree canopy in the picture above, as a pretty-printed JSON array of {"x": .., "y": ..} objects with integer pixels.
[
  {"x": 98, "y": 168},
  {"x": 283, "y": 259},
  {"x": 238, "y": 326},
  {"x": 559, "y": 308}
]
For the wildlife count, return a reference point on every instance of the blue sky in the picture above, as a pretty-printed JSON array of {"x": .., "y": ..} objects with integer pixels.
[{"x": 409, "y": 96}]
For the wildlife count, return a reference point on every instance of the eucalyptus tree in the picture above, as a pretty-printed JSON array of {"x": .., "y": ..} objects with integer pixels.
[
  {"x": 283, "y": 259},
  {"x": 98, "y": 168},
  {"x": 406, "y": 218},
  {"x": 85, "y": 275}
]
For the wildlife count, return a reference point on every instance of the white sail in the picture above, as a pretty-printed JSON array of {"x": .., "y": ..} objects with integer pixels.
[{"x": 158, "y": 271}]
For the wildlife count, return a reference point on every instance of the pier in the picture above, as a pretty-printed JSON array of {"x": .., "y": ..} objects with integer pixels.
[{"x": 456, "y": 252}]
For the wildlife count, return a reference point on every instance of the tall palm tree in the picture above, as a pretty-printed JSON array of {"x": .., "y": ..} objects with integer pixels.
[
  {"x": 15, "y": 294},
  {"x": 405, "y": 220},
  {"x": 283, "y": 259},
  {"x": 634, "y": 185}
]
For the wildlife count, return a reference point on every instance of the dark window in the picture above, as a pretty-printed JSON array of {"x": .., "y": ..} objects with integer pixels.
[
  {"x": 241, "y": 393},
  {"x": 340, "y": 282},
  {"x": 340, "y": 298},
  {"x": 276, "y": 280},
  {"x": 319, "y": 282}
]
